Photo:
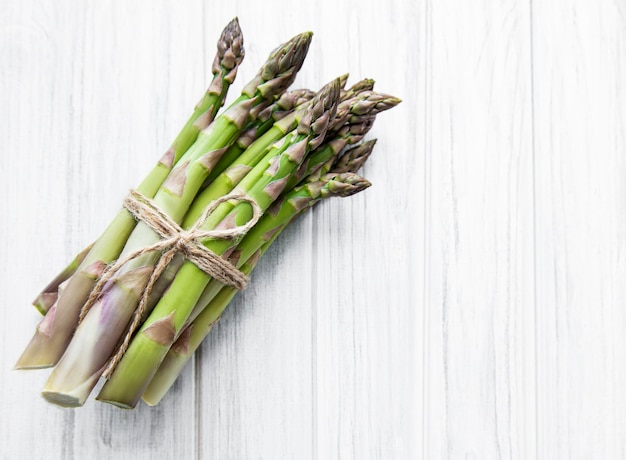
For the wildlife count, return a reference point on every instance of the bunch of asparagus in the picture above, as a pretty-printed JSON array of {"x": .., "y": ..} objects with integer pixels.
[{"x": 284, "y": 150}]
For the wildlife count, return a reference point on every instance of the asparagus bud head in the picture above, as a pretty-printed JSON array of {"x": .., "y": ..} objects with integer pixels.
[
  {"x": 320, "y": 114},
  {"x": 343, "y": 184},
  {"x": 353, "y": 159},
  {"x": 280, "y": 69},
  {"x": 230, "y": 51}
]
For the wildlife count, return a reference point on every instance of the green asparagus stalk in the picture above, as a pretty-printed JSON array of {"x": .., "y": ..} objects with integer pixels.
[
  {"x": 74, "y": 377},
  {"x": 361, "y": 105},
  {"x": 263, "y": 184},
  {"x": 48, "y": 296},
  {"x": 173, "y": 198},
  {"x": 216, "y": 297},
  {"x": 289, "y": 101},
  {"x": 341, "y": 182},
  {"x": 248, "y": 252},
  {"x": 354, "y": 119},
  {"x": 47, "y": 344},
  {"x": 322, "y": 161},
  {"x": 231, "y": 176},
  {"x": 352, "y": 160},
  {"x": 225, "y": 65},
  {"x": 225, "y": 183},
  {"x": 229, "y": 55},
  {"x": 238, "y": 169},
  {"x": 189, "y": 340}
]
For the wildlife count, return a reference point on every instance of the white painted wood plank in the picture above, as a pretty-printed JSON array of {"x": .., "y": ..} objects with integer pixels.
[
  {"x": 580, "y": 168},
  {"x": 479, "y": 263},
  {"x": 254, "y": 390},
  {"x": 149, "y": 60},
  {"x": 368, "y": 318},
  {"x": 266, "y": 361},
  {"x": 40, "y": 156},
  {"x": 255, "y": 385},
  {"x": 68, "y": 72}
]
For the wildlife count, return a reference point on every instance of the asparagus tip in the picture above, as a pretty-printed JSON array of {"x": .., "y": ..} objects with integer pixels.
[
  {"x": 372, "y": 103},
  {"x": 343, "y": 184},
  {"x": 281, "y": 68},
  {"x": 343, "y": 79},
  {"x": 354, "y": 158},
  {"x": 367, "y": 84},
  {"x": 321, "y": 113},
  {"x": 392, "y": 100},
  {"x": 371, "y": 142},
  {"x": 230, "y": 51}
]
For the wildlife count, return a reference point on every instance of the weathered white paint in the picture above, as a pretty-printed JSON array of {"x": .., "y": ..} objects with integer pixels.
[{"x": 469, "y": 305}]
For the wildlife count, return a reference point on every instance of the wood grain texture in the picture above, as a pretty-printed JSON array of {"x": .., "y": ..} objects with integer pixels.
[
  {"x": 470, "y": 305},
  {"x": 479, "y": 248},
  {"x": 580, "y": 166}
]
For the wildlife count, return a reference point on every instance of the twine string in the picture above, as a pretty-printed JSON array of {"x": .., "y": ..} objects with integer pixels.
[{"x": 174, "y": 240}]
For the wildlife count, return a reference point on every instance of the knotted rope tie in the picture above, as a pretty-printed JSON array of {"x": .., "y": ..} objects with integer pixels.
[{"x": 174, "y": 240}]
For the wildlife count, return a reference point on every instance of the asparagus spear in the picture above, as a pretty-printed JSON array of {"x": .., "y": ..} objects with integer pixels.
[
  {"x": 189, "y": 340},
  {"x": 263, "y": 184},
  {"x": 46, "y": 346},
  {"x": 97, "y": 336},
  {"x": 288, "y": 101},
  {"x": 48, "y": 296},
  {"x": 353, "y": 159},
  {"x": 231, "y": 176},
  {"x": 225, "y": 182},
  {"x": 251, "y": 248},
  {"x": 316, "y": 165},
  {"x": 229, "y": 55},
  {"x": 367, "y": 84},
  {"x": 173, "y": 197},
  {"x": 216, "y": 296},
  {"x": 354, "y": 119}
]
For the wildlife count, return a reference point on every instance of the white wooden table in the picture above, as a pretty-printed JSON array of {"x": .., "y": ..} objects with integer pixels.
[{"x": 470, "y": 305}]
